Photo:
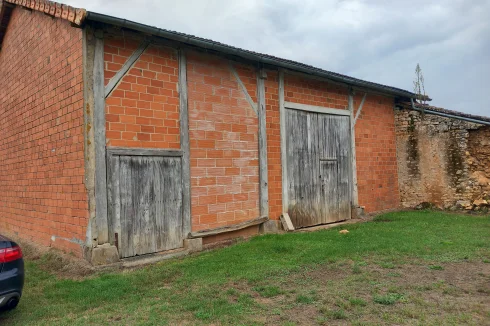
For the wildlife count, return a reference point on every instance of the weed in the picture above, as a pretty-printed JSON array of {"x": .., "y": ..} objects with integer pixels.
[
  {"x": 305, "y": 299},
  {"x": 356, "y": 269},
  {"x": 268, "y": 291},
  {"x": 436, "y": 267},
  {"x": 388, "y": 299},
  {"x": 336, "y": 314},
  {"x": 357, "y": 302}
]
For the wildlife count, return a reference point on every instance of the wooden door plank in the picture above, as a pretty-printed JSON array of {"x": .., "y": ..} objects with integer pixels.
[
  {"x": 303, "y": 187},
  {"x": 329, "y": 191},
  {"x": 126, "y": 241},
  {"x": 345, "y": 169},
  {"x": 173, "y": 204}
]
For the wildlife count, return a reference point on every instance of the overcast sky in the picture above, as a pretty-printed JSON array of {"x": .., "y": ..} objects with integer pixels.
[{"x": 376, "y": 40}]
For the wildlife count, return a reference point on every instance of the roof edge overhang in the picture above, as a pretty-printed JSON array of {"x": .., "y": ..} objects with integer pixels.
[{"x": 249, "y": 55}]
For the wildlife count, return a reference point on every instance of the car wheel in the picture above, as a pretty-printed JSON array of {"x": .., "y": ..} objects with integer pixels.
[{"x": 12, "y": 303}]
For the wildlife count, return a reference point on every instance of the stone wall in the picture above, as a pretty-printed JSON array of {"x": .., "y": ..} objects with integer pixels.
[{"x": 442, "y": 161}]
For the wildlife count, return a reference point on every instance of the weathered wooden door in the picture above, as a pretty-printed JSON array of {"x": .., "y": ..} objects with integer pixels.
[
  {"x": 145, "y": 203},
  {"x": 318, "y": 167}
]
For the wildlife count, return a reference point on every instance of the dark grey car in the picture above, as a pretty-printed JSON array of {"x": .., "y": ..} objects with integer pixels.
[{"x": 11, "y": 273}]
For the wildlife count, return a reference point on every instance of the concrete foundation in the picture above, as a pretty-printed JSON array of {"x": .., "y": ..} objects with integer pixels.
[
  {"x": 270, "y": 226},
  {"x": 104, "y": 254},
  {"x": 193, "y": 245}
]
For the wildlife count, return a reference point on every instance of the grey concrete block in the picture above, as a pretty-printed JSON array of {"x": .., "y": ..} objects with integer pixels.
[
  {"x": 269, "y": 227},
  {"x": 193, "y": 245},
  {"x": 104, "y": 254},
  {"x": 357, "y": 212}
]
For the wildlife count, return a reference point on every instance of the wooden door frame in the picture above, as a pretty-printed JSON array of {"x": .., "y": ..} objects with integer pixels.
[{"x": 283, "y": 106}]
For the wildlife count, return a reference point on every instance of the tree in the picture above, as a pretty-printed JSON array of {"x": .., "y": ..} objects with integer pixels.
[{"x": 418, "y": 85}]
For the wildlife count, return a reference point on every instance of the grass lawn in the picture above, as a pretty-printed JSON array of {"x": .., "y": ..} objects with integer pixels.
[{"x": 416, "y": 268}]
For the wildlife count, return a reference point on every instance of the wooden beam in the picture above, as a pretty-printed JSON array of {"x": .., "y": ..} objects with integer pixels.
[
  {"x": 263, "y": 170},
  {"x": 287, "y": 225},
  {"x": 143, "y": 151},
  {"x": 355, "y": 200},
  {"x": 100, "y": 140},
  {"x": 88, "y": 42},
  {"x": 184, "y": 143},
  {"x": 125, "y": 68},
  {"x": 284, "y": 153},
  {"x": 242, "y": 86},
  {"x": 228, "y": 228},
  {"x": 360, "y": 108},
  {"x": 314, "y": 108}
]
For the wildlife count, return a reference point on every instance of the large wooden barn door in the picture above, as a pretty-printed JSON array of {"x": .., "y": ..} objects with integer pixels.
[
  {"x": 318, "y": 167},
  {"x": 145, "y": 203}
]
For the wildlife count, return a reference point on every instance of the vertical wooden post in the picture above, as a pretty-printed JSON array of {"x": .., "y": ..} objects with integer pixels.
[
  {"x": 100, "y": 140},
  {"x": 355, "y": 200},
  {"x": 184, "y": 145},
  {"x": 88, "y": 132},
  {"x": 284, "y": 154},
  {"x": 263, "y": 178}
]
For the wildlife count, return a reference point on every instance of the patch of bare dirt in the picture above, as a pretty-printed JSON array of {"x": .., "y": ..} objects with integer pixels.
[{"x": 448, "y": 293}]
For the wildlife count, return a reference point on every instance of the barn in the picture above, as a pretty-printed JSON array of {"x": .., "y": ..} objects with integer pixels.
[{"x": 120, "y": 140}]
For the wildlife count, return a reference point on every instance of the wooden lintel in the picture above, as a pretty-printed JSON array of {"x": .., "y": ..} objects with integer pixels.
[
  {"x": 142, "y": 151},
  {"x": 228, "y": 228},
  {"x": 313, "y": 108},
  {"x": 360, "y": 108},
  {"x": 114, "y": 81},
  {"x": 242, "y": 86}
]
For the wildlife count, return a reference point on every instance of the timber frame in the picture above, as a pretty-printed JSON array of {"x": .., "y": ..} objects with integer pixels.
[
  {"x": 97, "y": 234},
  {"x": 96, "y": 152}
]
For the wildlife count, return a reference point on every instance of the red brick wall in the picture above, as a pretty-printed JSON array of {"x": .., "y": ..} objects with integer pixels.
[
  {"x": 143, "y": 110},
  {"x": 273, "y": 144},
  {"x": 314, "y": 92},
  {"x": 224, "y": 144},
  {"x": 377, "y": 173},
  {"x": 42, "y": 192},
  {"x": 375, "y": 138}
]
